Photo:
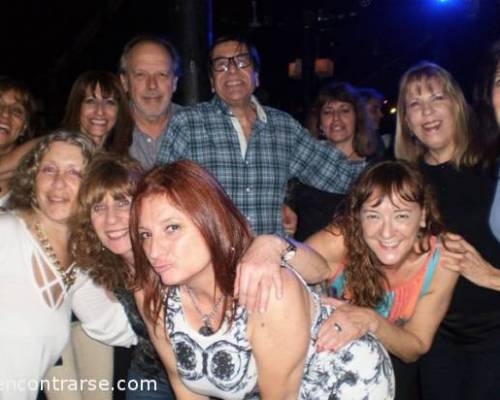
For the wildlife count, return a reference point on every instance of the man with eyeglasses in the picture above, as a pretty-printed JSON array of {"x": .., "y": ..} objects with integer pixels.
[
  {"x": 149, "y": 69},
  {"x": 252, "y": 150}
]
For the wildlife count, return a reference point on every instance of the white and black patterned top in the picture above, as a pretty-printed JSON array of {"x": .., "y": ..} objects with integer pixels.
[{"x": 222, "y": 365}]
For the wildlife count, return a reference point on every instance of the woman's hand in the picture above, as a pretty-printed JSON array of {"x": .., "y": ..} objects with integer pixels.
[
  {"x": 346, "y": 323},
  {"x": 259, "y": 269},
  {"x": 470, "y": 264}
]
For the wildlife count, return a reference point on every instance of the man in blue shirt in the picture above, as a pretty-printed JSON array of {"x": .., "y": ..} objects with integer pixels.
[{"x": 252, "y": 150}]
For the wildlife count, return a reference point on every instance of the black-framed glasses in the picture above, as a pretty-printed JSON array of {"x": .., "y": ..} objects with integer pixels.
[{"x": 221, "y": 64}]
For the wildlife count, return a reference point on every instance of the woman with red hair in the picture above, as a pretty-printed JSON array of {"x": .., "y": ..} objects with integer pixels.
[{"x": 188, "y": 238}]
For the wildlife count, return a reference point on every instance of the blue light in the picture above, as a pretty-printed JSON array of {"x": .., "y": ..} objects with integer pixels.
[{"x": 446, "y": 3}]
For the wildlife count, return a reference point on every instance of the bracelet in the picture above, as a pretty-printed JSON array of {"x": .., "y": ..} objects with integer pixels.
[{"x": 290, "y": 250}]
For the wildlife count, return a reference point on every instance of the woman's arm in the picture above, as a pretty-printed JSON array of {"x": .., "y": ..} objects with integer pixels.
[
  {"x": 156, "y": 331},
  {"x": 280, "y": 339},
  {"x": 11, "y": 161},
  {"x": 329, "y": 243},
  {"x": 407, "y": 342},
  {"x": 259, "y": 270},
  {"x": 472, "y": 267},
  {"x": 102, "y": 316}
]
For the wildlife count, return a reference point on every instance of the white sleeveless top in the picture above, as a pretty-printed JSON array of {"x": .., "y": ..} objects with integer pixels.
[{"x": 222, "y": 365}]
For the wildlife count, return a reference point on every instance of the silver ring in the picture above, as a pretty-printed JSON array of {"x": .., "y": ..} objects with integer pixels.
[{"x": 337, "y": 327}]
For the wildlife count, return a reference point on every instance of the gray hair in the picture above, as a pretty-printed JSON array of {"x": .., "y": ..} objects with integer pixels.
[
  {"x": 165, "y": 44},
  {"x": 23, "y": 196}
]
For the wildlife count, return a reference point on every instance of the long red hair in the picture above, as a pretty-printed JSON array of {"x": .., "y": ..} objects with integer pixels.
[{"x": 196, "y": 192}]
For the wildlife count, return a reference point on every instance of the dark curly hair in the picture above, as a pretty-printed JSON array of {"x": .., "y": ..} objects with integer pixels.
[
  {"x": 106, "y": 173},
  {"x": 364, "y": 279}
]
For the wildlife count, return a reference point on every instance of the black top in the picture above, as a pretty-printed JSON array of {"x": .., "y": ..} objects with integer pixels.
[
  {"x": 315, "y": 209},
  {"x": 145, "y": 360},
  {"x": 465, "y": 198}
]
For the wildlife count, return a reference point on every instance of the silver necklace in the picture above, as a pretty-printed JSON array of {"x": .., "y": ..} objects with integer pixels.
[{"x": 207, "y": 328}]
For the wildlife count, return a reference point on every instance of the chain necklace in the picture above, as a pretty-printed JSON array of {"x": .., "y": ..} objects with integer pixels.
[
  {"x": 206, "y": 329},
  {"x": 68, "y": 276}
]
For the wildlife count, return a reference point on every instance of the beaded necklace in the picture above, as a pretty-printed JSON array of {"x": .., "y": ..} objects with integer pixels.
[{"x": 68, "y": 276}]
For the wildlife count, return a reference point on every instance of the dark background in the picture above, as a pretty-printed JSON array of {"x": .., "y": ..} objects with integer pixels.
[{"x": 372, "y": 42}]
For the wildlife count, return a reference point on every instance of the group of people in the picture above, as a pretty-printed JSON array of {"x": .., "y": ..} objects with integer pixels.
[{"x": 161, "y": 227}]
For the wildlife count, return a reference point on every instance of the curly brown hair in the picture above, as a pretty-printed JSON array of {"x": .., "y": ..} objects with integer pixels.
[
  {"x": 365, "y": 280},
  {"x": 197, "y": 193},
  {"x": 107, "y": 173},
  {"x": 23, "y": 196}
]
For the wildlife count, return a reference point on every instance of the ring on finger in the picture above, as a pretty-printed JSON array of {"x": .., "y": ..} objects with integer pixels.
[{"x": 337, "y": 327}]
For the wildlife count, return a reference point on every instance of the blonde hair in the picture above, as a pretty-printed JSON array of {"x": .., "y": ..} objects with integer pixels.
[{"x": 407, "y": 146}]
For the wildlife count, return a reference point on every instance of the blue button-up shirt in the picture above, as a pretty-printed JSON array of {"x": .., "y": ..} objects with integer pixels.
[{"x": 279, "y": 148}]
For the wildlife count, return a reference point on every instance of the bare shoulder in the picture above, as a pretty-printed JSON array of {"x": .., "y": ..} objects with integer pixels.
[
  {"x": 295, "y": 297},
  {"x": 443, "y": 278},
  {"x": 293, "y": 289}
]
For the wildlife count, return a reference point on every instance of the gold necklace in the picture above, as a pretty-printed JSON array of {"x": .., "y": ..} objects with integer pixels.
[
  {"x": 207, "y": 328},
  {"x": 68, "y": 276}
]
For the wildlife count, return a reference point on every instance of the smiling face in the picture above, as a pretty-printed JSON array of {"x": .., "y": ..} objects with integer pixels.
[
  {"x": 149, "y": 80},
  {"x": 338, "y": 122},
  {"x": 110, "y": 219},
  {"x": 12, "y": 119},
  {"x": 390, "y": 228},
  {"x": 98, "y": 115},
  {"x": 58, "y": 180},
  {"x": 236, "y": 85},
  {"x": 172, "y": 243},
  {"x": 430, "y": 115},
  {"x": 495, "y": 94}
]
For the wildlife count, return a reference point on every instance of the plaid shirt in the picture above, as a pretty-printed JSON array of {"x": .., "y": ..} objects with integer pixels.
[{"x": 279, "y": 148}]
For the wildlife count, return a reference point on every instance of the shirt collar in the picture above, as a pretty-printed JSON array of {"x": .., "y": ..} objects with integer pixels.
[{"x": 223, "y": 107}]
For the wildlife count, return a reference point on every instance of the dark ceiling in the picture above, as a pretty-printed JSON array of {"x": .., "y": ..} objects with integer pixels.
[{"x": 371, "y": 42}]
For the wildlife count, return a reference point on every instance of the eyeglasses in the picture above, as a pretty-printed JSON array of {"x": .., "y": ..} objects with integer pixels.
[
  {"x": 221, "y": 64},
  {"x": 16, "y": 110}
]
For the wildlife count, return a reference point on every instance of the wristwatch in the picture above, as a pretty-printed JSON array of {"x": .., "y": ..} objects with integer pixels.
[{"x": 290, "y": 250}]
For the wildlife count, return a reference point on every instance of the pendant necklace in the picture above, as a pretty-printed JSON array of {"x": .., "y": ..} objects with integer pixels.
[
  {"x": 206, "y": 329},
  {"x": 68, "y": 275}
]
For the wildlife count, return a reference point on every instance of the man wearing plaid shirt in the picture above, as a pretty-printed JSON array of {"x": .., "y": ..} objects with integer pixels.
[{"x": 252, "y": 150}]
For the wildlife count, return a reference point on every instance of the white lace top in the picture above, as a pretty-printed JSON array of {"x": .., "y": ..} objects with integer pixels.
[{"x": 35, "y": 311}]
